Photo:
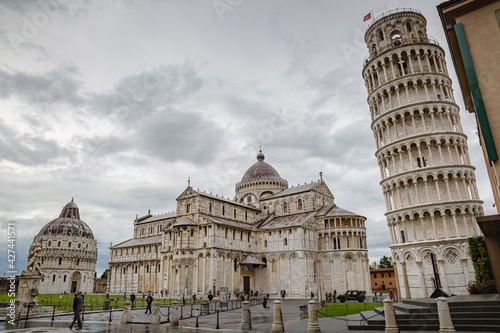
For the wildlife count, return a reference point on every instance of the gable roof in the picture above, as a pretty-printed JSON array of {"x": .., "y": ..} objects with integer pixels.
[
  {"x": 230, "y": 223},
  {"x": 139, "y": 241},
  {"x": 301, "y": 189},
  {"x": 287, "y": 221},
  {"x": 335, "y": 211},
  {"x": 159, "y": 217},
  {"x": 215, "y": 197}
]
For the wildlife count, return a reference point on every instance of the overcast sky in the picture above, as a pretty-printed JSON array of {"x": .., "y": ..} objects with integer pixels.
[{"x": 117, "y": 103}]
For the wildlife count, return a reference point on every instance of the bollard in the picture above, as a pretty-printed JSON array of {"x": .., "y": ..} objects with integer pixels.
[
  {"x": 127, "y": 312},
  {"x": 277, "y": 318},
  {"x": 246, "y": 320},
  {"x": 445, "y": 323},
  {"x": 53, "y": 312},
  {"x": 155, "y": 313},
  {"x": 110, "y": 311},
  {"x": 313, "y": 326},
  {"x": 391, "y": 326},
  {"x": 83, "y": 313},
  {"x": 174, "y": 321},
  {"x": 196, "y": 313},
  {"x": 217, "y": 327}
]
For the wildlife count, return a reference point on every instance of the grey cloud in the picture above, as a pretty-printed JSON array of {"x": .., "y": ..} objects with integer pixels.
[
  {"x": 28, "y": 149},
  {"x": 58, "y": 86}
]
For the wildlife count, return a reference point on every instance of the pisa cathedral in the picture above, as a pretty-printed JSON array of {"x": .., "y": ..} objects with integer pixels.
[
  {"x": 427, "y": 177},
  {"x": 268, "y": 238}
]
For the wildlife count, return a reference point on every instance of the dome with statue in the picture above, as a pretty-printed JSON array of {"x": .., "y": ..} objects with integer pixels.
[{"x": 65, "y": 253}]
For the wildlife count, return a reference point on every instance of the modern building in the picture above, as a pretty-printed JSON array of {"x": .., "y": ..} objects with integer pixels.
[
  {"x": 472, "y": 29},
  {"x": 428, "y": 181},
  {"x": 383, "y": 279},
  {"x": 65, "y": 253},
  {"x": 269, "y": 237}
]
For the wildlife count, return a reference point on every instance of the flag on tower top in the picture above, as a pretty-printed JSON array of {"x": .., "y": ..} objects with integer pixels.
[{"x": 367, "y": 17}]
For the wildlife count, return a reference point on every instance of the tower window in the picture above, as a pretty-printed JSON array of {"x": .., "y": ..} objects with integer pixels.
[
  {"x": 299, "y": 204},
  {"x": 421, "y": 162},
  {"x": 403, "y": 240}
]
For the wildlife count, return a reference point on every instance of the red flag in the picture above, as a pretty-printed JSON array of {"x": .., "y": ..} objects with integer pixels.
[{"x": 367, "y": 17}]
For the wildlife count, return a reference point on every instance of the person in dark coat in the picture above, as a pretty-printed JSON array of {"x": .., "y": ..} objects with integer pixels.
[
  {"x": 77, "y": 308},
  {"x": 149, "y": 300},
  {"x": 264, "y": 302},
  {"x": 132, "y": 299}
]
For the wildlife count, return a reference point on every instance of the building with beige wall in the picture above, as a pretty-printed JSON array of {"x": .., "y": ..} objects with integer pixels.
[
  {"x": 428, "y": 181},
  {"x": 269, "y": 237}
]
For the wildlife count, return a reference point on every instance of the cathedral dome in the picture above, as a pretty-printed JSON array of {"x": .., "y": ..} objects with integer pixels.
[
  {"x": 260, "y": 171},
  {"x": 68, "y": 224}
]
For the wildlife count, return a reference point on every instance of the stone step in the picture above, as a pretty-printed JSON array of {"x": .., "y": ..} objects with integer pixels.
[{"x": 412, "y": 308}]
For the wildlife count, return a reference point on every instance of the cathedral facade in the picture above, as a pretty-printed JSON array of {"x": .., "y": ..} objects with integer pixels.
[{"x": 269, "y": 237}]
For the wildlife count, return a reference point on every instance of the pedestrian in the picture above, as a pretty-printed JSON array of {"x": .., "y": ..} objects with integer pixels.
[
  {"x": 334, "y": 296},
  {"x": 107, "y": 296},
  {"x": 312, "y": 295},
  {"x": 210, "y": 297},
  {"x": 396, "y": 296},
  {"x": 229, "y": 296},
  {"x": 183, "y": 299},
  {"x": 124, "y": 296},
  {"x": 391, "y": 294},
  {"x": 161, "y": 293},
  {"x": 264, "y": 302},
  {"x": 143, "y": 295},
  {"x": 217, "y": 293},
  {"x": 77, "y": 308},
  {"x": 149, "y": 300},
  {"x": 132, "y": 299}
]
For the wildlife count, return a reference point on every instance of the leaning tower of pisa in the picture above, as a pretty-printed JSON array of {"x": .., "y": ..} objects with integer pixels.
[{"x": 428, "y": 181}]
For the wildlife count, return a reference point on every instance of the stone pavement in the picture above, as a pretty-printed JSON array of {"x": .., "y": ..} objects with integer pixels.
[{"x": 229, "y": 321}]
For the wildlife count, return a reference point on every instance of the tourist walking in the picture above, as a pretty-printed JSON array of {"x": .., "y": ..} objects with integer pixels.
[
  {"x": 77, "y": 308},
  {"x": 391, "y": 294},
  {"x": 312, "y": 295},
  {"x": 334, "y": 296},
  {"x": 149, "y": 300},
  {"x": 264, "y": 302},
  {"x": 124, "y": 296},
  {"x": 132, "y": 299}
]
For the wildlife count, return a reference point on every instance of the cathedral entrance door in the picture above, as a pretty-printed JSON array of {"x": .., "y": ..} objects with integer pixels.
[
  {"x": 73, "y": 286},
  {"x": 246, "y": 284}
]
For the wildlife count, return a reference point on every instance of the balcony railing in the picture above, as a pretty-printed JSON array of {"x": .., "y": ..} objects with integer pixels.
[
  {"x": 390, "y": 12},
  {"x": 398, "y": 43}
]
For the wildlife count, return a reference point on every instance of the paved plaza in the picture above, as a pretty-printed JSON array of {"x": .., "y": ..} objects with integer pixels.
[{"x": 229, "y": 321}]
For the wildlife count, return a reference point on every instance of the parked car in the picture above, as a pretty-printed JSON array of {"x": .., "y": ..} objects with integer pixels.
[{"x": 352, "y": 295}]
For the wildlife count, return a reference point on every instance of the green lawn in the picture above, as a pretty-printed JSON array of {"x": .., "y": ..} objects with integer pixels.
[
  {"x": 92, "y": 302},
  {"x": 341, "y": 309}
]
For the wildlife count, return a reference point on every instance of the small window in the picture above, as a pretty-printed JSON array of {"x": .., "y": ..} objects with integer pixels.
[
  {"x": 235, "y": 264},
  {"x": 265, "y": 243},
  {"x": 234, "y": 213},
  {"x": 77, "y": 262},
  {"x": 249, "y": 199},
  {"x": 209, "y": 207},
  {"x": 286, "y": 242},
  {"x": 60, "y": 261},
  {"x": 382, "y": 275},
  {"x": 50, "y": 243},
  {"x": 69, "y": 244},
  {"x": 188, "y": 208},
  {"x": 79, "y": 245},
  {"x": 223, "y": 210},
  {"x": 376, "y": 283},
  {"x": 421, "y": 163},
  {"x": 135, "y": 269},
  {"x": 204, "y": 244},
  {"x": 374, "y": 275},
  {"x": 390, "y": 275},
  {"x": 147, "y": 269},
  {"x": 299, "y": 204},
  {"x": 234, "y": 234},
  {"x": 59, "y": 244},
  {"x": 403, "y": 240},
  {"x": 192, "y": 232},
  {"x": 285, "y": 207},
  {"x": 53, "y": 278},
  {"x": 246, "y": 216},
  {"x": 390, "y": 283},
  {"x": 64, "y": 279}
]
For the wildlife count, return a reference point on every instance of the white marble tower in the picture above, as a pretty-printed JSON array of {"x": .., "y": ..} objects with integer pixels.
[{"x": 427, "y": 177}]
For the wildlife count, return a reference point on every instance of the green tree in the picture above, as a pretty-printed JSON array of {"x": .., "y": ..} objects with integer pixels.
[
  {"x": 105, "y": 274},
  {"x": 480, "y": 259},
  {"x": 374, "y": 265},
  {"x": 385, "y": 262}
]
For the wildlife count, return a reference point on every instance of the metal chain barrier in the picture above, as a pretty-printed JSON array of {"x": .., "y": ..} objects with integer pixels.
[{"x": 163, "y": 314}]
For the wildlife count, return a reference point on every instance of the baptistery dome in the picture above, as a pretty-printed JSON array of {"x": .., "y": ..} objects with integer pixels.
[
  {"x": 65, "y": 253},
  {"x": 68, "y": 224}
]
